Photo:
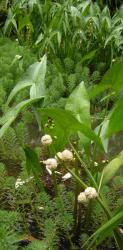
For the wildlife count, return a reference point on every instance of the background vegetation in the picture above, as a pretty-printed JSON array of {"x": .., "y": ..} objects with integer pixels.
[{"x": 61, "y": 65}]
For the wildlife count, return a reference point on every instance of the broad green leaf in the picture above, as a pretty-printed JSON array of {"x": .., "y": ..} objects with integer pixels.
[
  {"x": 111, "y": 168},
  {"x": 116, "y": 119},
  {"x": 21, "y": 85},
  {"x": 37, "y": 73},
  {"x": 97, "y": 89},
  {"x": 33, "y": 165},
  {"x": 34, "y": 77},
  {"x": 65, "y": 124},
  {"x": 112, "y": 79},
  {"x": 78, "y": 103},
  {"x": 105, "y": 230},
  {"x": 11, "y": 115}
]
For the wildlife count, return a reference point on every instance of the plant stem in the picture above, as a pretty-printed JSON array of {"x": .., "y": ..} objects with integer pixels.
[
  {"x": 77, "y": 188},
  {"x": 88, "y": 215},
  {"x": 76, "y": 177},
  {"x": 55, "y": 182},
  {"x": 84, "y": 166}
]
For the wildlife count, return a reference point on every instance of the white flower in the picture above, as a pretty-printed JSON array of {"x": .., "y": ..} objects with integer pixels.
[
  {"x": 82, "y": 198},
  {"x": 95, "y": 164},
  {"x": 66, "y": 176},
  {"x": 19, "y": 182},
  {"x": 51, "y": 163},
  {"x": 67, "y": 155},
  {"x": 91, "y": 193},
  {"x": 46, "y": 140}
]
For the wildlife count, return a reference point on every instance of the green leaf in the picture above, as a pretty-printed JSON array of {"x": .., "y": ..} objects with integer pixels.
[
  {"x": 112, "y": 79},
  {"x": 116, "y": 121},
  {"x": 105, "y": 230},
  {"x": 97, "y": 89},
  {"x": 111, "y": 168},
  {"x": 33, "y": 165},
  {"x": 34, "y": 77},
  {"x": 64, "y": 125},
  {"x": 25, "y": 21},
  {"x": 10, "y": 21},
  {"x": 102, "y": 129},
  {"x": 37, "y": 73},
  {"x": 11, "y": 115},
  {"x": 90, "y": 55},
  {"x": 19, "y": 86},
  {"x": 119, "y": 239},
  {"x": 85, "y": 7},
  {"x": 78, "y": 103}
]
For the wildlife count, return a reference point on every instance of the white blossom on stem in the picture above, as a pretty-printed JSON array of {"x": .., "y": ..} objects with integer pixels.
[
  {"x": 51, "y": 163},
  {"x": 91, "y": 193},
  {"x": 46, "y": 140},
  {"x": 67, "y": 155},
  {"x": 82, "y": 198}
]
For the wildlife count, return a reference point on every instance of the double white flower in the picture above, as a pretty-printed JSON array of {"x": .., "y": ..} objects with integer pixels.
[
  {"x": 65, "y": 156},
  {"x": 90, "y": 193},
  {"x": 52, "y": 163}
]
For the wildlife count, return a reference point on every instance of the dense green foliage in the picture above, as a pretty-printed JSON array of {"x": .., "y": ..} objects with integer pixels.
[
  {"x": 14, "y": 61},
  {"x": 61, "y": 67}
]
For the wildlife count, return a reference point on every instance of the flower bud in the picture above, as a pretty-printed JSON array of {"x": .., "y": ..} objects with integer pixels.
[
  {"x": 82, "y": 198},
  {"x": 91, "y": 193},
  {"x": 46, "y": 140},
  {"x": 51, "y": 163},
  {"x": 67, "y": 155}
]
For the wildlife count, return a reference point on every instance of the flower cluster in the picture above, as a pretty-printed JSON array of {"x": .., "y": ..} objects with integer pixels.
[
  {"x": 19, "y": 182},
  {"x": 90, "y": 193},
  {"x": 52, "y": 163}
]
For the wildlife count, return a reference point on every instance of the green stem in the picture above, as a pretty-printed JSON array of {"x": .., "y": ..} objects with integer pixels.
[
  {"x": 77, "y": 188},
  {"x": 55, "y": 182},
  {"x": 104, "y": 206},
  {"x": 38, "y": 181},
  {"x": 100, "y": 199},
  {"x": 35, "y": 215},
  {"x": 84, "y": 166},
  {"x": 88, "y": 215},
  {"x": 76, "y": 177}
]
